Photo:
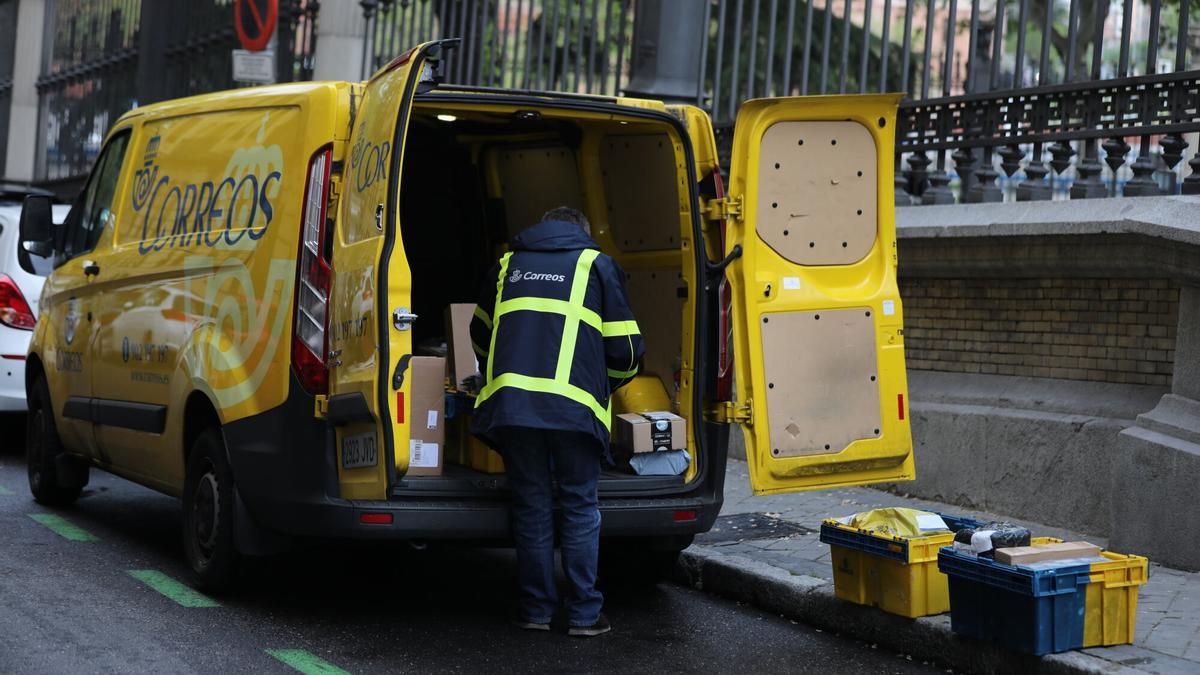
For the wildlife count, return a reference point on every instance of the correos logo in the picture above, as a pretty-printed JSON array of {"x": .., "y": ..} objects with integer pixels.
[{"x": 534, "y": 276}]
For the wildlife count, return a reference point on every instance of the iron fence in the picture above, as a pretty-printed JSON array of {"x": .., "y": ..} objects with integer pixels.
[
  {"x": 578, "y": 46},
  {"x": 1036, "y": 79},
  {"x": 8, "y": 46},
  {"x": 105, "y": 57}
]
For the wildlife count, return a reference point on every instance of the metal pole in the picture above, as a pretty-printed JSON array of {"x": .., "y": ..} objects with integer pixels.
[
  {"x": 787, "y": 50},
  {"x": 843, "y": 75},
  {"x": 907, "y": 48},
  {"x": 825, "y": 45},
  {"x": 768, "y": 89},
  {"x": 948, "y": 74},
  {"x": 866, "y": 49},
  {"x": 887, "y": 43},
  {"x": 929, "y": 9},
  {"x": 808, "y": 24}
]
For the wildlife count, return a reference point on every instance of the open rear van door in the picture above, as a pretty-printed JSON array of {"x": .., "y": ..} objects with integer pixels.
[
  {"x": 818, "y": 339},
  {"x": 370, "y": 343}
]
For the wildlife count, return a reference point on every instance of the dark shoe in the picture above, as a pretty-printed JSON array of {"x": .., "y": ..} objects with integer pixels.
[
  {"x": 601, "y": 627},
  {"x": 529, "y": 625}
]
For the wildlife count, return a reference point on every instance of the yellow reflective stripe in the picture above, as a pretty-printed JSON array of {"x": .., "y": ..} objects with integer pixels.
[
  {"x": 619, "y": 328},
  {"x": 499, "y": 292},
  {"x": 478, "y": 349},
  {"x": 622, "y": 374},
  {"x": 546, "y": 386},
  {"x": 566, "y": 350},
  {"x": 550, "y": 306},
  {"x": 483, "y": 316}
]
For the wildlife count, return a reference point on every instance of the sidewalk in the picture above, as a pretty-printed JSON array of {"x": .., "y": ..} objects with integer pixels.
[{"x": 774, "y": 559}]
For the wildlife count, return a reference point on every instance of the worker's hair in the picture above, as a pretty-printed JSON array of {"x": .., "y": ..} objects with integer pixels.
[{"x": 567, "y": 214}]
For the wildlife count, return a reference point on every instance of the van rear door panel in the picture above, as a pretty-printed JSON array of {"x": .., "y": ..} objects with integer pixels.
[
  {"x": 369, "y": 390},
  {"x": 818, "y": 337}
]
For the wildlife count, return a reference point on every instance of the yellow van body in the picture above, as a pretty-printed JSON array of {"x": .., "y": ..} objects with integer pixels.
[{"x": 247, "y": 264}]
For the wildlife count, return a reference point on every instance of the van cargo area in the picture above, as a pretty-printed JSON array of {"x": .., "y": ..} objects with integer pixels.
[{"x": 477, "y": 173}]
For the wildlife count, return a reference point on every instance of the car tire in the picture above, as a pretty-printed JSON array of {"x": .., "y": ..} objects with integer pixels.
[
  {"x": 44, "y": 453},
  {"x": 635, "y": 564},
  {"x": 208, "y": 508}
]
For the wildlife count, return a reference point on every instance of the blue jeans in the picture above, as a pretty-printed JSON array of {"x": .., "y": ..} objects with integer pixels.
[{"x": 532, "y": 457}]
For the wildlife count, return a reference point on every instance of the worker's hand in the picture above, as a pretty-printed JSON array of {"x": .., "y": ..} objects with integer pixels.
[{"x": 472, "y": 384}]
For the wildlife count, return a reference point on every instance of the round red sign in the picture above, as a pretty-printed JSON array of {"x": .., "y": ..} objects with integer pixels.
[{"x": 254, "y": 22}]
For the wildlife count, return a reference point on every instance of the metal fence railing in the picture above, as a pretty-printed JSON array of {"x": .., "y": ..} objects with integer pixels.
[
  {"x": 1011, "y": 60},
  {"x": 95, "y": 48},
  {"x": 579, "y": 46},
  {"x": 8, "y": 46}
]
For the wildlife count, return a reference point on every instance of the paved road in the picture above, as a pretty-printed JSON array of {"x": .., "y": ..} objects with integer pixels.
[{"x": 78, "y": 594}]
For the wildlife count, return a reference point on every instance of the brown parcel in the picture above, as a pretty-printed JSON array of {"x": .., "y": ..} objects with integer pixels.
[
  {"x": 632, "y": 432},
  {"x": 426, "y": 447},
  {"x": 463, "y": 363},
  {"x": 1023, "y": 555}
]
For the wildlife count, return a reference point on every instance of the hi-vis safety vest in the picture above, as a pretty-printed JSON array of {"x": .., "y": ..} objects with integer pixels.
[{"x": 554, "y": 335}]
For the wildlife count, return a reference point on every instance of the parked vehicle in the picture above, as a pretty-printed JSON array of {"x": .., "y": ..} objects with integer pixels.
[
  {"x": 20, "y": 287},
  {"x": 240, "y": 285}
]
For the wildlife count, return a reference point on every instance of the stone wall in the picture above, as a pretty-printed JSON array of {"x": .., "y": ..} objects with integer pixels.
[
  {"x": 1092, "y": 329},
  {"x": 1054, "y": 364}
]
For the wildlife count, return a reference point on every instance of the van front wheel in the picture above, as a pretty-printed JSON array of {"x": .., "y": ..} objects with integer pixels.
[
  {"x": 45, "y": 456},
  {"x": 208, "y": 514},
  {"x": 638, "y": 563}
]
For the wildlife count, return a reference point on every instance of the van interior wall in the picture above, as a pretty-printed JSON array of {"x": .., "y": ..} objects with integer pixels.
[{"x": 470, "y": 185}]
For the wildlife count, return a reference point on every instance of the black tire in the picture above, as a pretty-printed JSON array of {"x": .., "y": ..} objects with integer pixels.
[
  {"x": 43, "y": 449},
  {"x": 208, "y": 509},
  {"x": 635, "y": 564}
]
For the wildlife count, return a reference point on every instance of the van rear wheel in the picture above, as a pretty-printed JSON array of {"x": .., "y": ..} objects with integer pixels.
[
  {"x": 208, "y": 514},
  {"x": 45, "y": 455}
]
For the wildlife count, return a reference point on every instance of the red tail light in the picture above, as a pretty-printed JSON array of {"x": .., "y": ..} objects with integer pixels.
[
  {"x": 310, "y": 338},
  {"x": 724, "y": 315},
  {"x": 14, "y": 311}
]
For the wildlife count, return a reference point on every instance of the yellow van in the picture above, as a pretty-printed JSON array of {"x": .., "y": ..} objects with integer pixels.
[{"x": 240, "y": 285}]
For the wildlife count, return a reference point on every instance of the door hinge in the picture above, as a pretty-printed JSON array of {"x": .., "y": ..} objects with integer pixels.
[
  {"x": 726, "y": 208},
  {"x": 321, "y": 407},
  {"x": 728, "y": 412}
]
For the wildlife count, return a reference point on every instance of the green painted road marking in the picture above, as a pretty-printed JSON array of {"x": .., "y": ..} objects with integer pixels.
[
  {"x": 63, "y": 527},
  {"x": 305, "y": 662},
  {"x": 4, "y": 492},
  {"x": 174, "y": 590}
]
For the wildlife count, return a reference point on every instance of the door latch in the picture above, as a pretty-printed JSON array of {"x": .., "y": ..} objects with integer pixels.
[{"x": 402, "y": 318}]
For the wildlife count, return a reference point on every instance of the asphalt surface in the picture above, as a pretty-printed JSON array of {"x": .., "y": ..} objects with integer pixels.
[{"x": 88, "y": 604}]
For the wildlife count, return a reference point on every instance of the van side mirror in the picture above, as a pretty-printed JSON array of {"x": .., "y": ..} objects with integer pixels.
[{"x": 37, "y": 226}]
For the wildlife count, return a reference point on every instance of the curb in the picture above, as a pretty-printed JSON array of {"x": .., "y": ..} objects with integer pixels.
[{"x": 812, "y": 601}]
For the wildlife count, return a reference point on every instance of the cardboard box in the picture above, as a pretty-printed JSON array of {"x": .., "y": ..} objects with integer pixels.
[
  {"x": 462, "y": 362},
  {"x": 649, "y": 432},
  {"x": 427, "y": 424},
  {"x": 1023, "y": 555}
]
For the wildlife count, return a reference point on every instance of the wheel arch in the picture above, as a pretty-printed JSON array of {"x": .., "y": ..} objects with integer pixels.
[
  {"x": 34, "y": 368},
  {"x": 199, "y": 414}
]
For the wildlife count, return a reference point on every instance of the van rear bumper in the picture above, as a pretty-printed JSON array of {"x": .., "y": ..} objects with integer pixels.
[
  {"x": 474, "y": 520},
  {"x": 284, "y": 468}
]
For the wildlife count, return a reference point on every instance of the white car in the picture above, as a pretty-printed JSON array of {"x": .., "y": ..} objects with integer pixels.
[{"x": 19, "y": 292}]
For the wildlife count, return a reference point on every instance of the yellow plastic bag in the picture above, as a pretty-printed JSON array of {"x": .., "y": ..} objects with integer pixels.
[{"x": 898, "y": 521}]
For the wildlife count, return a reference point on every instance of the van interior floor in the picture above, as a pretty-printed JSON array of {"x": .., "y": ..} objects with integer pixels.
[{"x": 459, "y": 480}]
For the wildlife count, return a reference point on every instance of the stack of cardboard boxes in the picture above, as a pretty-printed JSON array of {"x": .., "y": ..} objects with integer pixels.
[{"x": 647, "y": 443}]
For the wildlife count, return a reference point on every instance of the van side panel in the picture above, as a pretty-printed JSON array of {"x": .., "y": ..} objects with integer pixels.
[{"x": 199, "y": 285}]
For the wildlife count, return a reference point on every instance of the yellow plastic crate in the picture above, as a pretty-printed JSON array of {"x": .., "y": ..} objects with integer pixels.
[
  {"x": 896, "y": 574},
  {"x": 1110, "y": 612}
]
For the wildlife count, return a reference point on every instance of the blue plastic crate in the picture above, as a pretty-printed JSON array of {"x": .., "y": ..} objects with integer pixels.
[{"x": 1033, "y": 611}]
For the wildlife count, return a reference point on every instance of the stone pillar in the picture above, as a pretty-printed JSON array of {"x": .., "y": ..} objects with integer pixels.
[
  {"x": 341, "y": 30},
  {"x": 1154, "y": 510},
  {"x": 27, "y": 67}
]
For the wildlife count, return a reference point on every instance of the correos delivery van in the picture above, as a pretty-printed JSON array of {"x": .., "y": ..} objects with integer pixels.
[{"x": 240, "y": 287}]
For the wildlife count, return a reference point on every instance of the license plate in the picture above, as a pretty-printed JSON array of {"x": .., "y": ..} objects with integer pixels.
[{"x": 359, "y": 451}]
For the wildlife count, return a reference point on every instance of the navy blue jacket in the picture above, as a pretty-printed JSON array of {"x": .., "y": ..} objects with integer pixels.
[{"x": 554, "y": 335}]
